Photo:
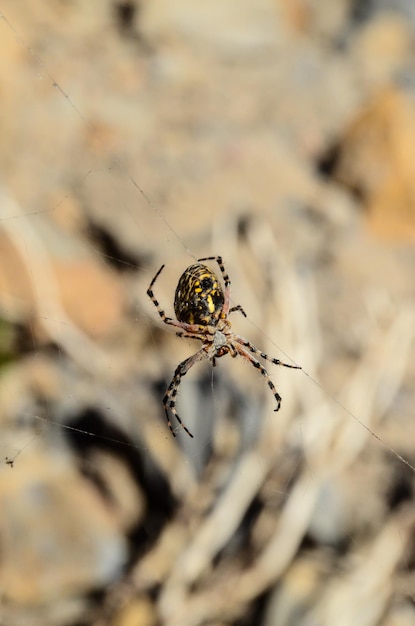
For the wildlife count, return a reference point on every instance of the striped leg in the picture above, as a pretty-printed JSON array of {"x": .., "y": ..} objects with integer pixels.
[
  {"x": 263, "y": 355},
  {"x": 150, "y": 293},
  {"x": 226, "y": 280},
  {"x": 237, "y": 308},
  {"x": 226, "y": 310},
  {"x": 169, "y": 400},
  {"x": 246, "y": 355}
]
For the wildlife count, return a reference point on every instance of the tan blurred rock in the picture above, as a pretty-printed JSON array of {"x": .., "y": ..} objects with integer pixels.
[
  {"x": 57, "y": 535},
  {"x": 382, "y": 47},
  {"x": 376, "y": 158},
  {"x": 86, "y": 290},
  {"x": 138, "y": 612}
]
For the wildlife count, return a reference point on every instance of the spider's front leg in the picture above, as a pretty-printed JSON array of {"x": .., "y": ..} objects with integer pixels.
[
  {"x": 226, "y": 280},
  {"x": 169, "y": 400}
]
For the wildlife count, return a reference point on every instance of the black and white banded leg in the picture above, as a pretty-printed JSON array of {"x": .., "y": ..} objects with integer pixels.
[
  {"x": 169, "y": 400},
  {"x": 244, "y": 353},
  {"x": 263, "y": 355}
]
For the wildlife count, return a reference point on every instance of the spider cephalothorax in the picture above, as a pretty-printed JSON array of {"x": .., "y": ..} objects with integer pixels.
[{"x": 202, "y": 308}]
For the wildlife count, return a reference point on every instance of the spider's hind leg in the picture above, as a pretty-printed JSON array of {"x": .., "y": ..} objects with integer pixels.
[
  {"x": 263, "y": 355},
  {"x": 169, "y": 400},
  {"x": 246, "y": 355}
]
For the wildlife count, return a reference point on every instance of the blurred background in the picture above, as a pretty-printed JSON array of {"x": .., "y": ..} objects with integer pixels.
[{"x": 279, "y": 134}]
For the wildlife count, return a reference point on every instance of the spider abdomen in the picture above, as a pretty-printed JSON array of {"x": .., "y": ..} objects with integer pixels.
[{"x": 199, "y": 297}]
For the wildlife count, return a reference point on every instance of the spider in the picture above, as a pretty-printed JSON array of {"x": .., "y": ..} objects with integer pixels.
[{"x": 202, "y": 310}]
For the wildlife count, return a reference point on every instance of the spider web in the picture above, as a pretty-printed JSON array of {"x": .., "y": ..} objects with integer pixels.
[{"x": 153, "y": 227}]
